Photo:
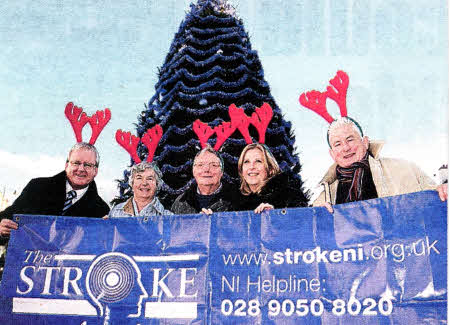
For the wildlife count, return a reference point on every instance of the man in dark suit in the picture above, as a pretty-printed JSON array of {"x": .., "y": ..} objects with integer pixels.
[{"x": 70, "y": 193}]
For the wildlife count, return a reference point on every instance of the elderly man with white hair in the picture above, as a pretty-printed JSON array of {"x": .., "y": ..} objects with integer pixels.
[
  {"x": 208, "y": 193},
  {"x": 359, "y": 173}
]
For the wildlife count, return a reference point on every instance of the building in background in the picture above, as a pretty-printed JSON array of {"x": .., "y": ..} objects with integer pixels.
[{"x": 6, "y": 200}]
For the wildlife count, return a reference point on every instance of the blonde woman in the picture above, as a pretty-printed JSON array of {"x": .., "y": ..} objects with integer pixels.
[{"x": 263, "y": 185}]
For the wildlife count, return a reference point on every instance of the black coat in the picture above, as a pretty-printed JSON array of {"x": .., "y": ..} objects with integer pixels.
[
  {"x": 46, "y": 196},
  {"x": 278, "y": 191},
  {"x": 186, "y": 202}
]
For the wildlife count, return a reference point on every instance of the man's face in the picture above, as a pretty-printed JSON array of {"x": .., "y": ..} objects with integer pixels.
[
  {"x": 144, "y": 185},
  {"x": 347, "y": 146},
  {"x": 207, "y": 169},
  {"x": 80, "y": 168}
]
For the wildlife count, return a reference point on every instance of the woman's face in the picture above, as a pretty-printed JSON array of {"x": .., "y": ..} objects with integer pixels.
[
  {"x": 253, "y": 169},
  {"x": 144, "y": 185}
]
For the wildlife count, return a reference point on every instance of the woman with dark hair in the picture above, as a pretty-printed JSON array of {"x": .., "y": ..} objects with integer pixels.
[{"x": 263, "y": 185}]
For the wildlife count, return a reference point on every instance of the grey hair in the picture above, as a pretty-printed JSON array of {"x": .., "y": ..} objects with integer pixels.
[
  {"x": 85, "y": 146},
  {"x": 341, "y": 122},
  {"x": 141, "y": 167},
  {"x": 210, "y": 149}
]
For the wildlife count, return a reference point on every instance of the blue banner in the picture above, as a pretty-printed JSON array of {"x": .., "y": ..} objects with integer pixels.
[{"x": 381, "y": 261}]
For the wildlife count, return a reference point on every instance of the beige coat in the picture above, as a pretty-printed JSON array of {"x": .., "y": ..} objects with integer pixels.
[{"x": 391, "y": 177}]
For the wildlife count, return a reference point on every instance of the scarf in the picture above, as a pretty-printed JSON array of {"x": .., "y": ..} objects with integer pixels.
[{"x": 354, "y": 174}]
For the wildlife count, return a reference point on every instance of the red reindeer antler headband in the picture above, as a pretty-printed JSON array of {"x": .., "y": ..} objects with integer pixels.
[
  {"x": 337, "y": 91},
  {"x": 78, "y": 120},
  {"x": 130, "y": 142},
  {"x": 239, "y": 120},
  {"x": 317, "y": 101}
]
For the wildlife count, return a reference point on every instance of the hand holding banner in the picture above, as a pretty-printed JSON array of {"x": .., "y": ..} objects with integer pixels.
[{"x": 368, "y": 262}]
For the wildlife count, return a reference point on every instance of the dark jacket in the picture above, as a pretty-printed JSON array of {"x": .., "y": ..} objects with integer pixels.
[
  {"x": 186, "y": 202},
  {"x": 46, "y": 196},
  {"x": 278, "y": 191}
]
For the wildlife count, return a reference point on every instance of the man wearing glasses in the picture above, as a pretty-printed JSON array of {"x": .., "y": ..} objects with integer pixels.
[
  {"x": 70, "y": 193},
  {"x": 208, "y": 194}
]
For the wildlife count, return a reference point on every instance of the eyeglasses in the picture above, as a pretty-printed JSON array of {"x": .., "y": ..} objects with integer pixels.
[
  {"x": 86, "y": 166},
  {"x": 212, "y": 165}
]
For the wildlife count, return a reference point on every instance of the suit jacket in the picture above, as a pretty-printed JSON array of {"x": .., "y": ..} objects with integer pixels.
[{"x": 46, "y": 196}]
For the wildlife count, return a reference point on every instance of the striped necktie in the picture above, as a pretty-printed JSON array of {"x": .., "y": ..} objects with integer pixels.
[{"x": 68, "y": 202}]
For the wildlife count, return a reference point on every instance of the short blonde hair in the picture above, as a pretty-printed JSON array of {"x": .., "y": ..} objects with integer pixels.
[{"x": 269, "y": 161}]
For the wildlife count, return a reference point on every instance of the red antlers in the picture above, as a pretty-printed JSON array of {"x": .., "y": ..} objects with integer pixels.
[
  {"x": 98, "y": 122},
  {"x": 316, "y": 100},
  {"x": 239, "y": 120},
  {"x": 78, "y": 120},
  {"x": 151, "y": 139},
  {"x": 130, "y": 142},
  {"x": 260, "y": 119},
  {"x": 203, "y": 131},
  {"x": 223, "y": 131}
]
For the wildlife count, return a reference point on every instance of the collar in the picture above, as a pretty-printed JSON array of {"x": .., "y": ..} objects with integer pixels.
[
  {"x": 135, "y": 207},
  {"x": 80, "y": 193},
  {"x": 375, "y": 147},
  {"x": 130, "y": 207},
  {"x": 215, "y": 192}
]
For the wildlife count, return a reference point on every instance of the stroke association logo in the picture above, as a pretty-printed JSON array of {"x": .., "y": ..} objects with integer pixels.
[
  {"x": 115, "y": 278},
  {"x": 110, "y": 286}
]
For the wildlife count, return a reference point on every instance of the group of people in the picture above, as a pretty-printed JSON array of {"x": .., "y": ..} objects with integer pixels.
[
  {"x": 261, "y": 179},
  {"x": 358, "y": 174}
]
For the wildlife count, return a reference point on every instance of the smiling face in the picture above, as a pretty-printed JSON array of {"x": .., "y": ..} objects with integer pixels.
[
  {"x": 144, "y": 185},
  {"x": 347, "y": 146},
  {"x": 80, "y": 168},
  {"x": 254, "y": 171},
  {"x": 207, "y": 170}
]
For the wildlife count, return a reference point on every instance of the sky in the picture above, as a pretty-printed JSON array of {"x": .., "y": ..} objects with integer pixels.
[{"x": 101, "y": 54}]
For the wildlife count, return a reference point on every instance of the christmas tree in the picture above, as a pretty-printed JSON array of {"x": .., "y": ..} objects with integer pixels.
[{"x": 210, "y": 65}]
